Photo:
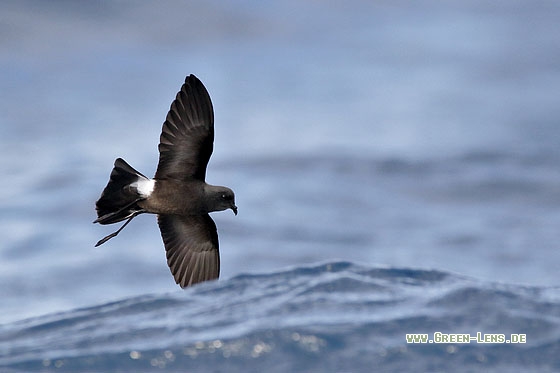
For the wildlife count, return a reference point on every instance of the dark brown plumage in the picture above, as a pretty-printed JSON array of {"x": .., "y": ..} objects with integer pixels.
[{"x": 178, "y": 193}]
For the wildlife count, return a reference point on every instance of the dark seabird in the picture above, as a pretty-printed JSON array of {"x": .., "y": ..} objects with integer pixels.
[{"x": 178, "y": 193}]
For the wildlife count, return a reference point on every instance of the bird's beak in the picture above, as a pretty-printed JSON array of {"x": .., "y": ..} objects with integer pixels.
[{"x": 234, "y": 208}]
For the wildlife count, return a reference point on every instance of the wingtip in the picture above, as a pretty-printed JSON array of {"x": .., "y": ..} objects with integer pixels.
[{"x": 191, "y": 77}]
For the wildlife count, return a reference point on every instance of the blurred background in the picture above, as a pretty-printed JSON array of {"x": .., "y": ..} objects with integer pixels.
[{"x": 386, "y": 133}]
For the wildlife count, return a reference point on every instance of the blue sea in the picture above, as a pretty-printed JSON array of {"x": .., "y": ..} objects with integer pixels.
[
  {"x": 334, "y": 316},
  {"x": 396, "y": 167}
]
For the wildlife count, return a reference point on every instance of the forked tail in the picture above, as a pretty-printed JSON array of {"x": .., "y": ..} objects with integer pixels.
[{"x": 119, "y": 200}]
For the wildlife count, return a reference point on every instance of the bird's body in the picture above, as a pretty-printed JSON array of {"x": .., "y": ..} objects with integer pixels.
[
  {"x": 167, "y": 198},
  {"x": 178, "y": 193}
]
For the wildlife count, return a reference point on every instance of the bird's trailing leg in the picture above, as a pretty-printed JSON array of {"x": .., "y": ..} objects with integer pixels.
[
  {"x": 114, "y": 234},
  {"x": 116, "y": 216}
]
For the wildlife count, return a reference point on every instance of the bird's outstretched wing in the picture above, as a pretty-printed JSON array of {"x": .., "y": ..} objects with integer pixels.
[
  {"x": 187, "y": 136},
  {"x": 191, "y": 244}
]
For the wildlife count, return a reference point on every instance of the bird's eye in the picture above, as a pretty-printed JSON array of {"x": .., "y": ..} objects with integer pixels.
[{"x": 224, "y": 196}]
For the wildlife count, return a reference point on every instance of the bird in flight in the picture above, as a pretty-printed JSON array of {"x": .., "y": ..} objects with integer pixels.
[{"x": 178, "y": 193}]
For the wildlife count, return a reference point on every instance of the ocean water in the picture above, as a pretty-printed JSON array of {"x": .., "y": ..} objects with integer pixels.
[
  {"x": 396, "y": 169},
  {"x": 329, "y": 317}
]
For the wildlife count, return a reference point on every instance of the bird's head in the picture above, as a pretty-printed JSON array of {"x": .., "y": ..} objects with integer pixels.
[{"x": 220, "y": 198}]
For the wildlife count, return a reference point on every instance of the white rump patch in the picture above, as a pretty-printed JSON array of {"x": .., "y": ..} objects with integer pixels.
[{"x": 145, "y": 187}]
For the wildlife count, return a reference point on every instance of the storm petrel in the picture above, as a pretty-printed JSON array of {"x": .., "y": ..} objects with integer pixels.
[{"x": 178, "y": 193}]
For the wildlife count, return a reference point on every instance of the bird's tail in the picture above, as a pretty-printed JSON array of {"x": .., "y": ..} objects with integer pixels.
[{"x": 119, "y": 200}]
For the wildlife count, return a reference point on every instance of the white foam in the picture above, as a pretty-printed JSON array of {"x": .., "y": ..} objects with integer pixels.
[{"x": 145, "y": 187}]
